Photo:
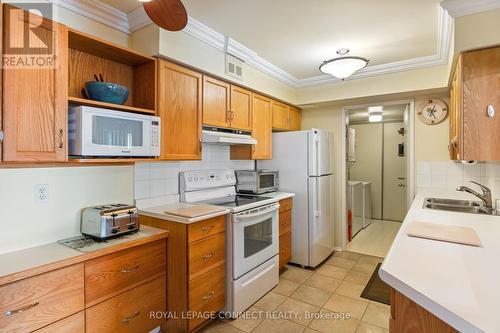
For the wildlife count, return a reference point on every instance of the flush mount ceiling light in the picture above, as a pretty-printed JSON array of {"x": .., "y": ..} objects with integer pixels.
[
  {"x": 343, "y": 66},
  {"x": 375, "y": 114}
]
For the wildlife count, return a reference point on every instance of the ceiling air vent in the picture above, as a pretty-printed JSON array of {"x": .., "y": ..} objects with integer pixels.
[{"x": 234, "y": 67}]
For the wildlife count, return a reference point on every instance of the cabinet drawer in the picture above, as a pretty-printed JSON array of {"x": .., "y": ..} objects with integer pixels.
[
  {"x": 286, "y": 204},
  {"x": 41, "y": 300},
  {"x": 115, "y": 273},
  {"x": 129, "y": 312},
  {"x": 285, "y": 248},
  {"x": 285, "y": 222},
  {"x": 206, "y": 254},
  {"x": 72, "y": 324},
  {"x": 199, "y": 230},
  {"x": 207, "y": 294}
]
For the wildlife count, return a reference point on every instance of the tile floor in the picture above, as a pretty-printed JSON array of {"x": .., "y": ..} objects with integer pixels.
[
  {"x": 324, "y": 300},
  {"x": 376, "y": 239}
]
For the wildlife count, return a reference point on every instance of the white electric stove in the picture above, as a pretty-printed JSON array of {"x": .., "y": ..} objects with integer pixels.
[{"x": 252, "y": 234}]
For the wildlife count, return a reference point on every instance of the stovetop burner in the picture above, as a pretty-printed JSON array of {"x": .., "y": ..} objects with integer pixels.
[{"x": 234, "y": 201}]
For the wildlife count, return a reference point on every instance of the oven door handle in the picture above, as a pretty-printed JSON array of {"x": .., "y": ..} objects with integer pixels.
[{"x": 259, "y": 213}]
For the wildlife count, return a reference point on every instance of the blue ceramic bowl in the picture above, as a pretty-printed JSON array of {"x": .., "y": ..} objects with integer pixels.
[{"x": 106, "y": 92}]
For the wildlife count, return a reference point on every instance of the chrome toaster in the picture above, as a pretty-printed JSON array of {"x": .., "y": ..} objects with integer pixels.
[{"x": 108, "y": 221}]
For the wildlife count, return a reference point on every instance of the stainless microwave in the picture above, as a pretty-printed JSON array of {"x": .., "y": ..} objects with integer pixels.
[{"x": 257, "y": 181}]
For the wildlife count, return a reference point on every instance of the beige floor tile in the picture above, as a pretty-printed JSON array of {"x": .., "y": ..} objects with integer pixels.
[
  {"x": 357, "y": 278},
  {"x": 270, "y": 301},
  {"x": 218, "y": 326},
  {"x": 248, "y": 323},
  {"x": 365, "y": 267},
  {"x": 311, "y": 295},
  {"x": 299, "y": 311},
  {"x": 377, "y": 314},
  {"x": 286, "y": 287},
  {"x": 376, "y": 239},
  {"x": 296, "y": 274},
  {"x": 323, "y": 282},
  {"x": 368, "y": 328},
  {"x": 332, "y": 271},
  {"x": 278, "y": 326},
  {"x": 370, "y": 259},
  {"x": 341, "y": 262},
  {"x": 342, "y": 304},
  {"x": 330, "y": 322},
  {"x": 308, "y": 330},
  {"x": 351, "y": 290},
  {"x": 347, "y": 255}
]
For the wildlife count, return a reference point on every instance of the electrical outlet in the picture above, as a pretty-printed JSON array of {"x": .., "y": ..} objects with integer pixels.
[{"x": 42, "y": 193}]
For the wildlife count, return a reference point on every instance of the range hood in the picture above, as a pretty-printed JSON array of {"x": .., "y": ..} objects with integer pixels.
[{"x": 226, "y": 136}]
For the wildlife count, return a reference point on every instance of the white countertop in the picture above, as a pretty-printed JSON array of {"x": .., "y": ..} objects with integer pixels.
[
  {"x": 459, "y": 284},
  {"x": 159, "y": 213}
]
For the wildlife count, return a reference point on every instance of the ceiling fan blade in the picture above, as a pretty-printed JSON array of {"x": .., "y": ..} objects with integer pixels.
[{"x": 167, "y": 14}]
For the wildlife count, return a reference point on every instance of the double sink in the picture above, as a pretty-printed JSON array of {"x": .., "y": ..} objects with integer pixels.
[{"x": 460, "y": 206}]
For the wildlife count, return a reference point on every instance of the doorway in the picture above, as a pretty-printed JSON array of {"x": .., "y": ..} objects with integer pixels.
[{"x": 377, "y": 175}]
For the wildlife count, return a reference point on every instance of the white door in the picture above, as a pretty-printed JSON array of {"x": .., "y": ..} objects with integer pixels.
[
  {"x": 319, "y": 152},
  {"x": 320, "y": 219}
]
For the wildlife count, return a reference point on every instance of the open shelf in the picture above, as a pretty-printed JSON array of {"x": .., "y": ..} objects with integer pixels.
[
  {"x": 89, "y": 56},
  {"x": 97, "y": 104}
]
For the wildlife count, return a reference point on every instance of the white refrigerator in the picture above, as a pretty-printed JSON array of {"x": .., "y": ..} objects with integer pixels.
[{"x": 303, "y": 159}]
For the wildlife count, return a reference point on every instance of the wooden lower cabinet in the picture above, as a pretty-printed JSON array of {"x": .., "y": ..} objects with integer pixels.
[
  {"x": 285, "y": 231},
  {"x": 195, "y": 269},
  {"x": 409, "y": 317},
  {"x": 129, "y": 312},
  {"x": 71, "y": 324}
]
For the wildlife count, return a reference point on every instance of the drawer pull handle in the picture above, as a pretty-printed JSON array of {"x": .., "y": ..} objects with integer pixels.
[
  {"x": 209, "y": 296},
  {"x": 209, "y": 228},
  {"x": 208, "y": 256},
  {"x": 126, "y": 320},
  {"x": 128, "y": 270},
  {"x": 26, "y": 308}
]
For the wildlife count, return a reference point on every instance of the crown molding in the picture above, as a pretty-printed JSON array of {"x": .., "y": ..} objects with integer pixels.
[
  {"x": 138, "y": 19},
  {"x": 458, "y": 8},
  {"x": 97, "y": 11}
]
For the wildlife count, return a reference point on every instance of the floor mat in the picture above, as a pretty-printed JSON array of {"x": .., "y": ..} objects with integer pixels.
[{"x": 376, "y": 289}]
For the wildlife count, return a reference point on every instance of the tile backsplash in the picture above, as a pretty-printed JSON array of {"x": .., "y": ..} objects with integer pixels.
[
  {"x": 452, "y": 174},
  {"x": 160, "y": 179}
]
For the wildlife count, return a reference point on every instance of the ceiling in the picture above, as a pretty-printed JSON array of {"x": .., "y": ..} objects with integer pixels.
[
  {"x": 390, "y": 113},
  {"x": 298, "y": 35}
]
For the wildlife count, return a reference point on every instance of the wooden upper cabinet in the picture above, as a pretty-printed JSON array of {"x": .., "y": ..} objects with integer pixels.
[
  {"x": 35, "y": 103},
  {"x": 216, "y": 102},
  {"x": 180, "y": 109},
  {"x": 475, "y": 91},
  {"x": 280, "y": 115},
  {"x": 295, "y": 119},
  {"x": 240, "y": 115},
  {"x": 262, "y": 132}
]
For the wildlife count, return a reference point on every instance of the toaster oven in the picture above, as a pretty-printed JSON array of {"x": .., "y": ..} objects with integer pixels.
[{"x": 257, "y": 181}]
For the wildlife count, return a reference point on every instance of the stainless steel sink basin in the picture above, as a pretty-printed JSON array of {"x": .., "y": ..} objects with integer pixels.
[
  {"x": 459, "y": 209},
  {"x": 462, "y": 203}
]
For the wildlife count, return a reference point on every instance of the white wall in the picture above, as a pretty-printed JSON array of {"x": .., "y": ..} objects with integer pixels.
[
  {"x": 26, "y": 223},
  {"x": 155, "y": 180}
]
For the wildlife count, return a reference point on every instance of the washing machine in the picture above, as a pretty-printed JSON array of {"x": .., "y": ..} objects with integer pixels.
[
  {"x": 355, "y": 205},
  {"x": 367, "y": 204}
]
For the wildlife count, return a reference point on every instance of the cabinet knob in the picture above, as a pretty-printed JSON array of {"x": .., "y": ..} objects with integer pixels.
[{"x": 491, "y": 111}]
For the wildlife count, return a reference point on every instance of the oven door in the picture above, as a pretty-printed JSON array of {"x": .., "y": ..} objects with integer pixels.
[
  {"x": 267, "y": 182},
  {"x": 111, "y": 133},
  {"x": 255, "y": 238}
]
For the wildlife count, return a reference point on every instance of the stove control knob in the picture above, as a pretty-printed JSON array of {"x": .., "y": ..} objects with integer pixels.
[{"x": 195, "y": 179}]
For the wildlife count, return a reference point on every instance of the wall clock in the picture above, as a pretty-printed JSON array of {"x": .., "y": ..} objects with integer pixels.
[{"x": 434, "y": 112}]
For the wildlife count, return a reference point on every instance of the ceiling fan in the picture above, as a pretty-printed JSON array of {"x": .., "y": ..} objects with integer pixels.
[{"x": 167, "y": 14}]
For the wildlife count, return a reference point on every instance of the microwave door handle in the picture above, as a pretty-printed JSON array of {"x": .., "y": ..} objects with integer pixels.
[{"x": 260, "y": 213}]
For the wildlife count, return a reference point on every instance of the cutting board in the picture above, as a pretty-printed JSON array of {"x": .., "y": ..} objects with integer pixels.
[
  {"x": 191, "y": 211},
  {"x": 444, "y": 233}
]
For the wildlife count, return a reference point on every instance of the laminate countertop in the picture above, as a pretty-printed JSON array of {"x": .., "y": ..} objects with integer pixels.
[
  {"x": 460, "y": 284},
  {"x": 21, "y": 264}
]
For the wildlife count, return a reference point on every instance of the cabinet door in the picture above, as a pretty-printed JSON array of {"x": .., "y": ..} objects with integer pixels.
[
  {"x": 35, "y": 99},
  {"x": 280, "y": 115},
  {"x": 179, "y": 106},
  {"x": 262, "y": 128},
  {"x": 295, "y": 117},
  {"x": 241, "y": 108},
  {"x": 481, "y": 87},
  {"x": 215, "y": 102}
]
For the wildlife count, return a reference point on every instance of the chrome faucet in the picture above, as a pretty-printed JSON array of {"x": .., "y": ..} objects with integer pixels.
[{"x": 485, "y": 197}]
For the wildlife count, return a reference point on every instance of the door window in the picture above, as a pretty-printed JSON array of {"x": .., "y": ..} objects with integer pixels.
[
  {"x": 107, "y": 131},
  {"x": 258, "y": 237}
]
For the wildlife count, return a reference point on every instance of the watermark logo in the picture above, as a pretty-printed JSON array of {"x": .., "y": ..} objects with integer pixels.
[{"x": 29, "y": 36}]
